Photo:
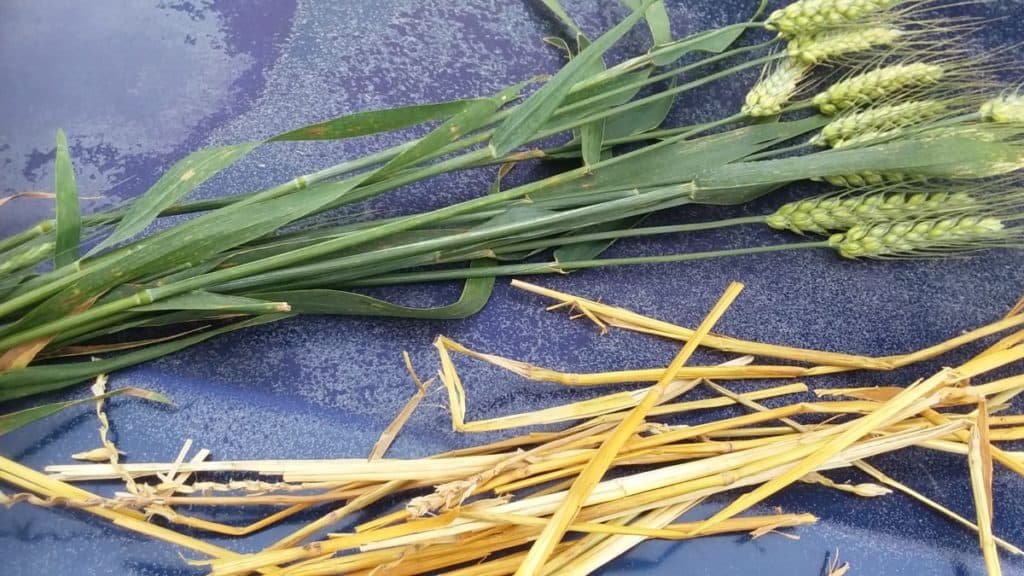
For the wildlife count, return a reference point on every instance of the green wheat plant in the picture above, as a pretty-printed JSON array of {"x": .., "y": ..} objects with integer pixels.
[{"x": 929, "y": 137}]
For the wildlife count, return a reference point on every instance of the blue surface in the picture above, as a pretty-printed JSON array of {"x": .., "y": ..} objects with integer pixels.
[{"x": 137, "y": 85}]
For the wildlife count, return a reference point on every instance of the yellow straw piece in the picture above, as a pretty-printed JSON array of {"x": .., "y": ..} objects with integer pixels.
[
  {"x": 979, "y": 459},
  {"x": 540, "y": 374},
  {"x": 28, "y": 479},
  {"x": 910, "y": 398},
  {"x": 632, "y": 320},
  {"x": 827, "y": 362},
  {"x": 595, "y": 469}
]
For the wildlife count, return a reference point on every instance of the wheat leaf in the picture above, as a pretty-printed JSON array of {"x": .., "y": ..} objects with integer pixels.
[
  {"x": 475, "y": 294},
  {"x": 183, "y": 177},
  {"x": 46, "y": 378},
  {"x": 375, "y": 121},
  {"x": 14, "y": 420},
  {"x": 533, "y": 114},
  {"x": 69, "y": 216}
]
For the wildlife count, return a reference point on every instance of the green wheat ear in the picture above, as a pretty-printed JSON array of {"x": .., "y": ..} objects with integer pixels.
[
  {"x": 869, "y": 178},
  {"x": 926, "y": 237},
  {"x": 806, "y": 17},
  {"x": 831, "y": 44},
  {"x": 877, "y": 85},
  {"x": 774, "y": 90},
  {"x": 836, "y": 212},
  {"x": 859, "y": 127},
  {"x": 1005, "y": 109}
]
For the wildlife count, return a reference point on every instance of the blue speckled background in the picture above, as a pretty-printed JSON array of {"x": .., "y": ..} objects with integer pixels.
[{"x": 137, "y": 85}]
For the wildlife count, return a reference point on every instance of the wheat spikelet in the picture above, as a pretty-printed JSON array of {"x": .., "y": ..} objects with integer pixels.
[
  {"x": 774, "y": 90},
  {"x": 1006, "y": 109},
  {"x": 869, "y": 178},
  {"x": 877, "y": 85},
  {"x": 831, "y": 213},
  {"x": 932, "y": 236},
  {"x": 878, "y": 122},
  {"x": 830, "y": 44},
  {"x": 808, "y": 16}
]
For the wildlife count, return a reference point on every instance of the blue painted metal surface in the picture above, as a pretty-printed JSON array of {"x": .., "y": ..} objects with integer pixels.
[{"x": 137, "y": 85}]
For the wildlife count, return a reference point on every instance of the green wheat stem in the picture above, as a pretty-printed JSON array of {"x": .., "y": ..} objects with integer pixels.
[
  {"x": 49, "y": 284},
  {"x": 43, "y": 227},
  {"x": 468, "y": 237},
  {"x": 632, "y": 87},
  {"x": 282, "y": 267},
  {"x": 556, "y": 267},
  {"x": 668, "y": 92},
  {"x": 393, "y": 151},
  {"x": 649, "y": 58},
  {"x": 629, "y": 233},
  {"x": 42, "y": 290},
  {"x": 547, "y": 224},
  {"x": 484, "y": 135},
  {"x": 325, "y": 248},
  {"x": 470, "y": 160}
]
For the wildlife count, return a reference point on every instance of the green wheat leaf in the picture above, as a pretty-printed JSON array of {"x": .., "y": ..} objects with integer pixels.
[
  {"x": 69, "y": 216},
  {"x": 48, "y": 377},
  {"x": 14, "y": 420},
  {"x": 375, "y": 121},
  {"x": 533, "y": 114},
  {"x": 475, "y": 294},
  {"x": 183, "y": 177}
]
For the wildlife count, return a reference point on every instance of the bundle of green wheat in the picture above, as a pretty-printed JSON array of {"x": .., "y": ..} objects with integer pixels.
[
  {"x": 506, "y": 507},
  {"x": 908, "y": 120}
]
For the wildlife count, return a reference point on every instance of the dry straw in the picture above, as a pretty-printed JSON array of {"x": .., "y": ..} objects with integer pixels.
[{"x": 489, "y": 509}]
